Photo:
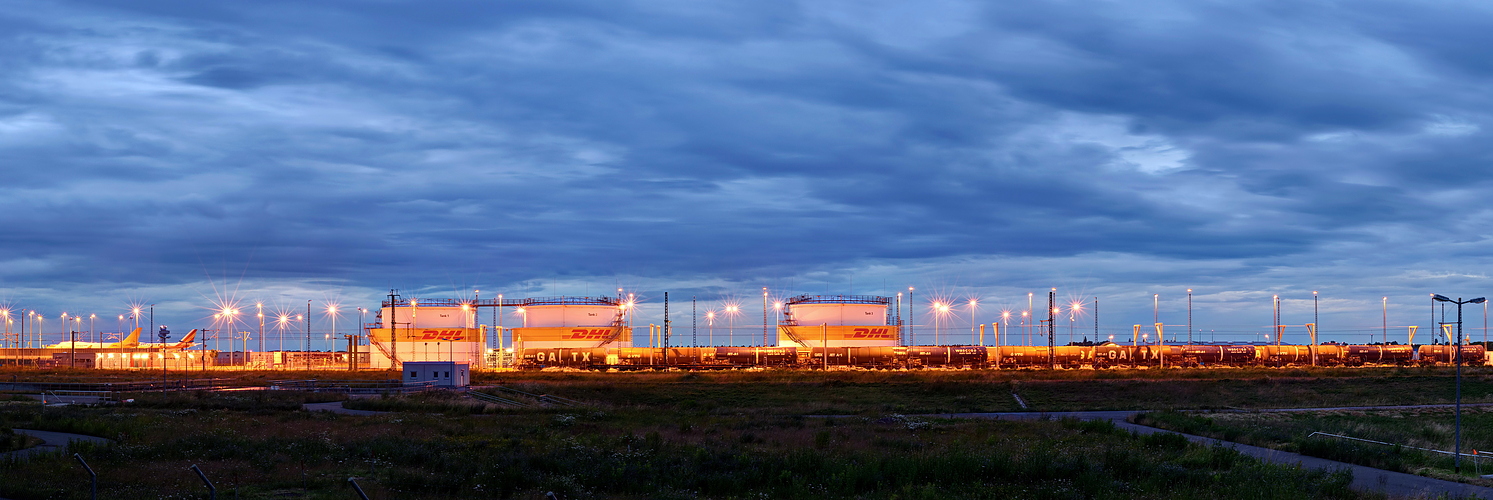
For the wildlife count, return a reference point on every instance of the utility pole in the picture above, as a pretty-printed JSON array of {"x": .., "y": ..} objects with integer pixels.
[
  {"x": 394, "y": 337},
  {"x": 1052, "y": 359},
  {"x": 665, "y": 333}
]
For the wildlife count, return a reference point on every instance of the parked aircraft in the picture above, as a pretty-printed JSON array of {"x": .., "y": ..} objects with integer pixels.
[{"x": 133, "y": 340}]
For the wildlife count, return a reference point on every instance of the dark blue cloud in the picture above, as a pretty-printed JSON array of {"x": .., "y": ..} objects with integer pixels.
[{"x": 702, "y": 147}]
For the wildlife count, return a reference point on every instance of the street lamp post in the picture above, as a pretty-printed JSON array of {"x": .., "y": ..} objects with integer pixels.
[
  {"x": 1457, "y": 461},
  {"x": 939, "y": 310},
  {"x": 73, "y": 361},
  {"x": 1029, "y": 315},
  {"x": 777, "y": 317},
  {"x": 332, "y": 311},
  {"x": 732, "y": 311},
  {"x": 259, "y": 311},
  {"x": 308, "y": 334},
  {"x": 1025, "y": 331},
  {"x": 972, "y": 304},
  {"x": 1316, "y": 327},
  {"x": 1005, "y": 330}
]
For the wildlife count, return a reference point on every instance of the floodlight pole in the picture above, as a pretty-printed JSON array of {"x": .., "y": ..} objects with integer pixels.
[{"x": 1457, "y": 458}]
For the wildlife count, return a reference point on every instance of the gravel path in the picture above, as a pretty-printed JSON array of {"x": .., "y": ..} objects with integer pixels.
[{"x": 51, "y": 441}]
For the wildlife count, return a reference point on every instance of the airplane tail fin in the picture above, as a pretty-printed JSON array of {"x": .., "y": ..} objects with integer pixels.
[
  {"x": 187, "y": 340},
  {"x": 132, "y": 340}
]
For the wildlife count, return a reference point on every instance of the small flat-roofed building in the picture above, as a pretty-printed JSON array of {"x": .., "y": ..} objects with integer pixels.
[{"x": 444, "y": 374}]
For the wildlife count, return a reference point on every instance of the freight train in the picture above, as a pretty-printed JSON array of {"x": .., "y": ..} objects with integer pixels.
[{"x": 1105, "y": 355}]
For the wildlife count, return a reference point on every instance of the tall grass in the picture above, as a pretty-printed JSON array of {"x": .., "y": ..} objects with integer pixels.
[{"x": 634, "y": 454}]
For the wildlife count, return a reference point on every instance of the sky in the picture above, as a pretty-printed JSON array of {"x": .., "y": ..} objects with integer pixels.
[{"x": 185, "y": 154}]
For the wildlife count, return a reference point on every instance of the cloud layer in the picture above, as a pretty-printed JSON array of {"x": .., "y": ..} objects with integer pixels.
[{"x": 1111, "y": 149}]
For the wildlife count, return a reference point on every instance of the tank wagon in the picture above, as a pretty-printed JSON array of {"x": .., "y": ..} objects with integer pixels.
[
  {"x": 1447, "y": 354},
  {"x": 1105, "y": 355},
  {"x": 863, "y": 331}
]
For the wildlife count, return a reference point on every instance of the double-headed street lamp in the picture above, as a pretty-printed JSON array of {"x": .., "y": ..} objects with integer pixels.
[{"x": 1457, "y": 461}]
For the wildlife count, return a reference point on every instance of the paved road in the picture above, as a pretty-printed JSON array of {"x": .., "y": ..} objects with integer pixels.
[
  {"x": 51, "y": 441},
  {"x": 1397, "y": 484},
  {"x": 336, "y": 407}
]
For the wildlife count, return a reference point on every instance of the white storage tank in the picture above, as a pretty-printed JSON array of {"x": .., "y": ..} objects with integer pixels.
[
  {"x": 837, "y": 321},
  {"x": 416, "y": 330},
  {"x": 572, "y": 322},
  {"x": 433, "y": 313}
]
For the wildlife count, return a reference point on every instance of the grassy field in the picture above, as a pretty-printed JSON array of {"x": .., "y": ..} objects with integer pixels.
[
  {"x": 629, "y": 453},
  {"x": 233, "y": 377},
  {"x": 988, "y": 391},
  {"x": 750, "y": 434},
  {"x": 1409, "y": 429}
]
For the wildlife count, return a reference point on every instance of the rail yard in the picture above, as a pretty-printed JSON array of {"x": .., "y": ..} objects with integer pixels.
[{"x": 810, "y": 332}]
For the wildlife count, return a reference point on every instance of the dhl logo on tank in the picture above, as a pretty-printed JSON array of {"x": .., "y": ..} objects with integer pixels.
[
  {"x": 551, "y": 334},
  {"x": 428, "y": 334},
  {"x": 845, "y": 332},
  {"x": 590, "y": 333},
  {"x": 872, "y": 333}
]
